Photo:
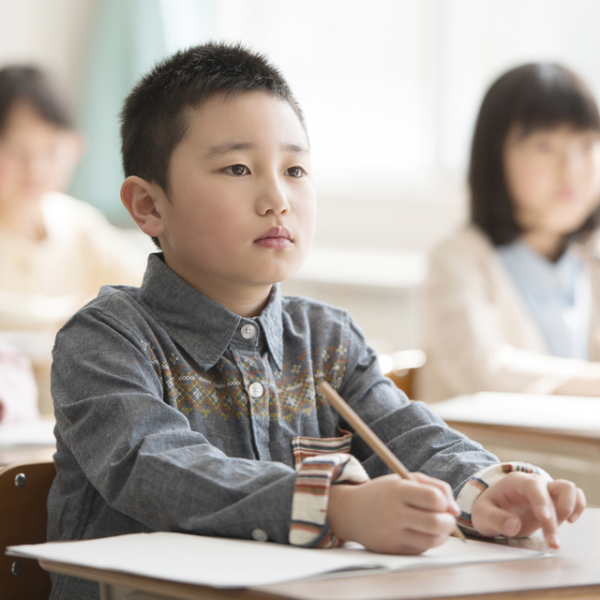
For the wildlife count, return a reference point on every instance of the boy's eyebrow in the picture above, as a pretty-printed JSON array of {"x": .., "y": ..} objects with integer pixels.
[{"x": 228, "y": 148}]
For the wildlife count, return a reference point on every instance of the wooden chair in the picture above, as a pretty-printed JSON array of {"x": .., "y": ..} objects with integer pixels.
[
  {"x": 400, "y": 367},
  {"x": 23, "y": 492}
]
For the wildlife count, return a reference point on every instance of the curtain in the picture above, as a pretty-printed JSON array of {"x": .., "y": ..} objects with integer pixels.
[{"x": 130, "y": 37}]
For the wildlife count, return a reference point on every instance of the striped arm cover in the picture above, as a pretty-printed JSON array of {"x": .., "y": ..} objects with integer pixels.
[
  {"x": 484, "y": 479},
  {"x": 316, "y": 474}
]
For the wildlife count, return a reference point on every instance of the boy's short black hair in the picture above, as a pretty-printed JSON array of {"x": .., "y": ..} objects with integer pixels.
[
  {"x": 153, "y": 118},
  {"x": 534, "y": 96},
  {"x": 29, "y": 84}
]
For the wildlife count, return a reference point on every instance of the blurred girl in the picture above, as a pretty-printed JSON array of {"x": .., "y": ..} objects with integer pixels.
[
  {"x": 56, "y": 251},
  {"x": 512, "y": 302}
]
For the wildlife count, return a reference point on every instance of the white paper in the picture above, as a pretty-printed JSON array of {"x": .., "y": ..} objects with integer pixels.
[
  {"x": 228, "y": 563},
  {"x": 523, "y": 410},
  {"x": 27, "y": 433}
]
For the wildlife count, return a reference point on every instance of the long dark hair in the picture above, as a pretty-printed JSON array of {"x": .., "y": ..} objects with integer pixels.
[{"x": 534, "y": 96}]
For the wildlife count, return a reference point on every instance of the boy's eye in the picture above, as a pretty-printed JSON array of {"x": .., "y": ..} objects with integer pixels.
[
  {"x": 237, "y": 170},
  {"x": 295, "y": 172}
]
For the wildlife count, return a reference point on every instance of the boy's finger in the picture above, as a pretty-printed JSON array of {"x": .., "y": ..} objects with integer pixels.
[
  {"x": 414, "y": 542},
  {"x": 541, "y": 505},
  {"x": 424, "y": 496},
  {"x": 492, "y": 520},
  {"x": 443, "y": 487},
  {"x": 579, "y": 506},
  {"x": 564, "y": 496},
  {"x": 431, "y": 523},
  {"x": 428, "y": 496}
]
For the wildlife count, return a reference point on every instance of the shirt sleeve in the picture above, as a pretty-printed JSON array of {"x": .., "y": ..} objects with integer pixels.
[
  {"x": 121, "y": 443},
  {"x": 481, "y": 481},
  {"x": 418, "y": 437}
]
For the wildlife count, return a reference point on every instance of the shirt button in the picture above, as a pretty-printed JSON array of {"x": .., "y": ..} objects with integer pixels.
[
  {"x": 248, "y": 331},
  {"x": 256, "y": 390},
  {"x": 260, "y": 535}
]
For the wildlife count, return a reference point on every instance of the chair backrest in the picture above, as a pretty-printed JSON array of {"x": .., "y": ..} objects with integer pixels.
[
  {"x": 23, "y": 493},
  {"x": 400, "y": 367}
]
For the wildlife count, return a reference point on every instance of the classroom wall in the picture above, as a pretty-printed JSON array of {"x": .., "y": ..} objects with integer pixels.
[{"x": 51, "y": 33}]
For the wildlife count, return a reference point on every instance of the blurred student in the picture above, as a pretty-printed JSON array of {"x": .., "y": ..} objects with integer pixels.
[
  {"x": 56, "y": 251},
  {"x": 18, "y": 391},
  {"x": 512, "y": 302}
]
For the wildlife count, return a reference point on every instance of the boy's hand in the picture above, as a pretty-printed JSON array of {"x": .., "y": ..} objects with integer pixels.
[
  {"x": 522, "y": 503},
  {"x": 394, "y": 515}
]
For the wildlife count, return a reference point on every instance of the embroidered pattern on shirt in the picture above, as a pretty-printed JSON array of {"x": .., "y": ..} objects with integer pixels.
[{"x": 221, "y": 391}]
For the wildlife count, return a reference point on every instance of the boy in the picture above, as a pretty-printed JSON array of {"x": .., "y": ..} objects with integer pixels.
[{"x": 188, "y": 404}]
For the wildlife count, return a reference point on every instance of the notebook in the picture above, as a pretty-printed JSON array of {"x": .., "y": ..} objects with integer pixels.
[{"x": 229, "y": 563}]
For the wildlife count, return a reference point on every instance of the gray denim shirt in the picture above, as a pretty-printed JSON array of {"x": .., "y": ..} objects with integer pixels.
[{"x": 174, "y": 414}]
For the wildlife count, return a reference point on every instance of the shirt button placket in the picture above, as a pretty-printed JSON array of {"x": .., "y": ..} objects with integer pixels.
[
  {"x": 256, "y": 390},
  {"x": 248, "y": 331},
  {"x": 260, "y": 535}
]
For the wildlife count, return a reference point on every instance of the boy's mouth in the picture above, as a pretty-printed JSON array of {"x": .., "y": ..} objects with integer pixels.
[{"x": 276, "y": 238}]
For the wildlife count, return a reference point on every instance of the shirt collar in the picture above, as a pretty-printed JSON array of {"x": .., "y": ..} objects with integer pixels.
[
  {"x": 271, "y": 320},
  {"x": 197, "y": 323},
  {"x": 537, "y": 272}
]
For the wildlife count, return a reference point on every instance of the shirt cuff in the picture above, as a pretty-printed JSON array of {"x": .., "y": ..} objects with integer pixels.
[
  {"x": 316, "y": 474},
  {"x": 484, "y": 479}
]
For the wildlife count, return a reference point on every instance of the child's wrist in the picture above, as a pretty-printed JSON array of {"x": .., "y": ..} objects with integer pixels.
[{"x": 338, "y": 511}]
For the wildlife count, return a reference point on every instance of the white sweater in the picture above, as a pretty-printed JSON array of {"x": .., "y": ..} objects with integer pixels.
[
  {"x": 43, "y": 283},
  {"x": 476, "y": 329}
]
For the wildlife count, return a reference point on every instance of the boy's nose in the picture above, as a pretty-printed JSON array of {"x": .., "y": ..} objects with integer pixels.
[{"x": 272, "y": 198}]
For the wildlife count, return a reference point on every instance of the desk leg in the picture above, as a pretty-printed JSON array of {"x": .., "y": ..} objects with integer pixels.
[
  {"x": 105, "y": 591},
  {"x": 110, "y": 591}
]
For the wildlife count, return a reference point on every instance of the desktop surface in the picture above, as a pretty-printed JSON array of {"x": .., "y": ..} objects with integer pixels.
[{"x": 574, "y": 572}]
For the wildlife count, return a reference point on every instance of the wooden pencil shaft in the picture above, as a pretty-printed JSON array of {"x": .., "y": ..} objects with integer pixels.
[
  {"x": 386, "y": 455},
  {"x": 365, "y": 432}
]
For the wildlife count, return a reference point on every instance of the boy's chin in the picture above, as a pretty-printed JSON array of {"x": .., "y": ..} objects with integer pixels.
[
  {"x": 281, "y": 274},
  {"x": 270, "y": 282}
]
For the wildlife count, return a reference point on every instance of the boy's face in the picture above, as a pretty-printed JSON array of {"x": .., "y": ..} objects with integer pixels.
[{"x": 242, "y": 205}]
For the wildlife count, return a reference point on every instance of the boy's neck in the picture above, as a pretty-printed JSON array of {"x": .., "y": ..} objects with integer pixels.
[
  {"x": 246, "y": 303},
  {"x": 243, "y": 300}
]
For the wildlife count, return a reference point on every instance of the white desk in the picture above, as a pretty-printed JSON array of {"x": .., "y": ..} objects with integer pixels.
[
  {"x": 561, "y": 437},
  {"x": 573, "y": 573}
]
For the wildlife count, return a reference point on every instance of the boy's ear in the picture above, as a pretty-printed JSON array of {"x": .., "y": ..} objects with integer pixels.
[{"x": 140, "y": 199}]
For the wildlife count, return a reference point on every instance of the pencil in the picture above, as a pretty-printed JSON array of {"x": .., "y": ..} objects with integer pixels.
[{"x": 365, "y": 432}]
